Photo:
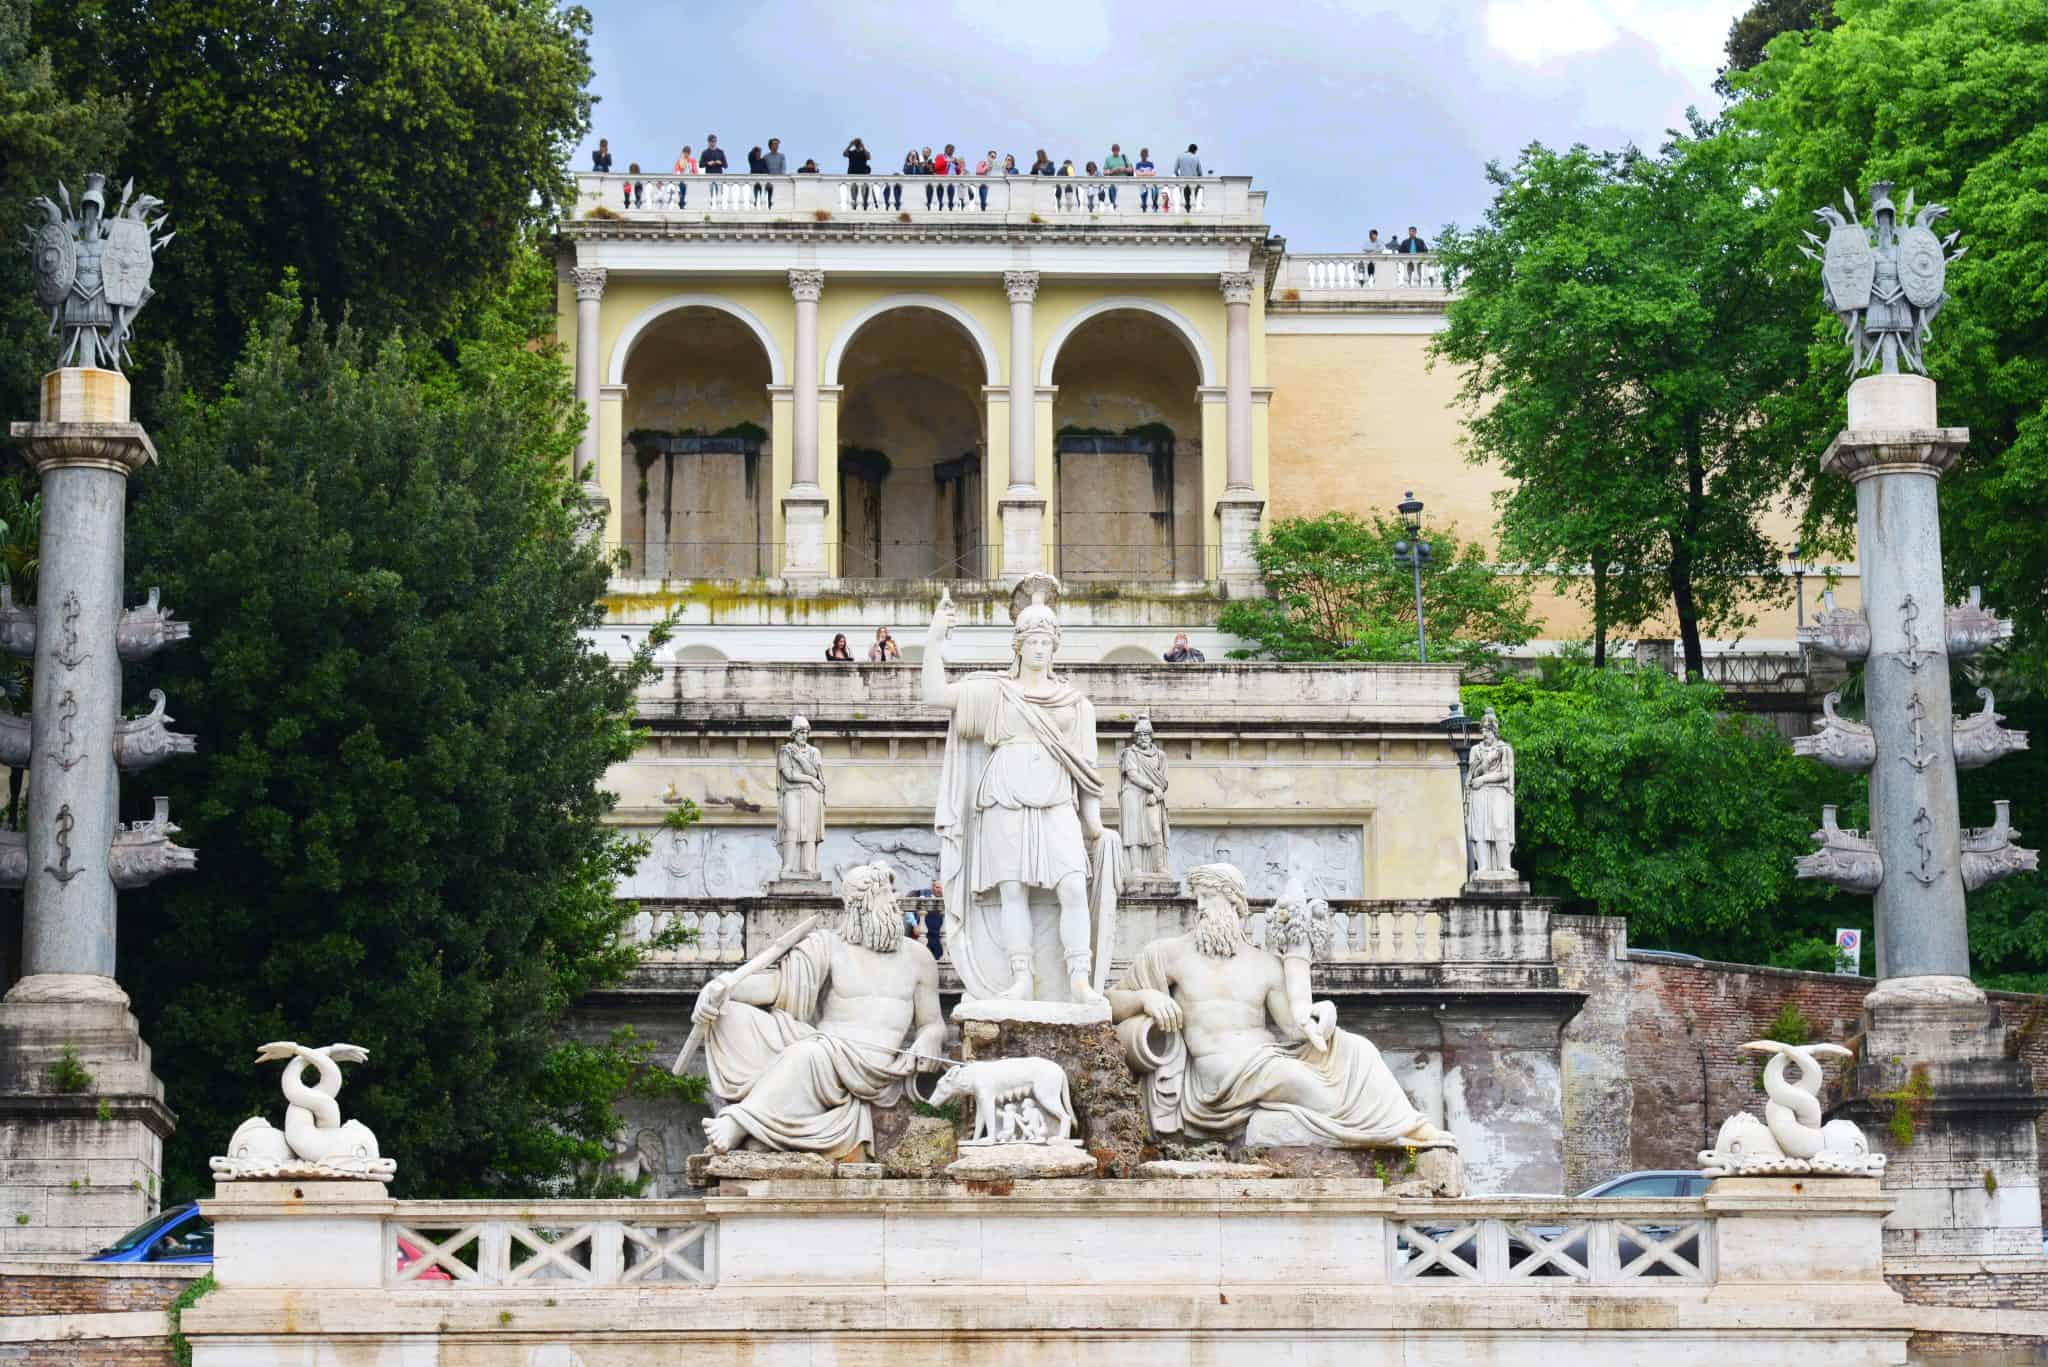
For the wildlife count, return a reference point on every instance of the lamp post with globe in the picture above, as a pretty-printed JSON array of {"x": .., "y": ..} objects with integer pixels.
[{"x": 1413, "y": 553}]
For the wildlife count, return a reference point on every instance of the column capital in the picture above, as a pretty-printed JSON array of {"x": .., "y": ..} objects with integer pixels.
[
  {"x": 806, "y": 285},
  {"x": 589, "y": 283},
  {"x": 1021, "y": 286},
  {"x": 1237, "y": 286}
]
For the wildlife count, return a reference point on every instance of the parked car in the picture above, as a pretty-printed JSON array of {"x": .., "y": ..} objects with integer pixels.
[
  {"x": 182, "y": 1235},
  {"x": 1652, "y": 1182}
]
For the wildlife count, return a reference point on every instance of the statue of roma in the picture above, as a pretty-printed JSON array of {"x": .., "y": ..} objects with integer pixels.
[
  {"x": 1226, "y": 1039},
  {"x": 802, "y": 1050},
  {"x": 1020, "y": 808},
  {"x": 92, "y": 270}
]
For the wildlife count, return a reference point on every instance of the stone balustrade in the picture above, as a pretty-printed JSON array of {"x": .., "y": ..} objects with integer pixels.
[
  {"x": 675, "y": 200},
  {"x": 461, "y": 1244},
  {"x": 1365, "y": 274}
]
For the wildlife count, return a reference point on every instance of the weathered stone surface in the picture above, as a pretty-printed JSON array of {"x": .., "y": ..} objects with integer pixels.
[
  {"x": 747, "y": 1166},
  {"x": 1108, "y": 1104},
  {"x": 1200, "y": 1170},
  {"x": 921, "y": 1147},
  {"x": 1417, "y": 1172},
  {"x": 1020, "y": 1162}
]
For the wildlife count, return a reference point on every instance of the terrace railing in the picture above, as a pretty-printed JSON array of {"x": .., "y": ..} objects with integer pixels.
[{"x": 677, "y": 200}]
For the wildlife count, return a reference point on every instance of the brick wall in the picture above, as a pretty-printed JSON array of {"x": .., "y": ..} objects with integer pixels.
[
  {"x": 1686, "y": 1022},
  {"x": 47, "y": 1289},
  {"x": 1980, "y": 1290},
  {"x": 105, "y": 1353}
]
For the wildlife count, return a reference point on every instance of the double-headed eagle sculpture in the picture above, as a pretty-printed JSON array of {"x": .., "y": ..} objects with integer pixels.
[
  {"x": 1885, "y": 285},
  {"x": 91, "y": 268}
]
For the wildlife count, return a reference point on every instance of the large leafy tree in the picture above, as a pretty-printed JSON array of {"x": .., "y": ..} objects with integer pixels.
[
  {"x": 1752, "y": 30},
  {"x": 1640, "y": 795},
  {"x": 393, "y": 155},
  {"x": 1335, "y": 592},
  {"x": 397, "y": 799},
  {"x": 1951, "y": 100},
  {"x": 1623, "y": 339}
]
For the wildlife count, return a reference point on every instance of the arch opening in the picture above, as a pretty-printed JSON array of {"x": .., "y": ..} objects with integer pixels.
[
  {"x": 697, "y": 459},
  {"x": 912, "y": 443},
  {"x": 1127, "y": 444}
]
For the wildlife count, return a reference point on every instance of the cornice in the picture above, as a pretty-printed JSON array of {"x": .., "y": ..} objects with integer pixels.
[{"x": 1203, "y": 235}]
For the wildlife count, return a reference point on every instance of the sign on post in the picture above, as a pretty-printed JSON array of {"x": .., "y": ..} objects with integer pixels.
[{"x": 1849, "y": 952}]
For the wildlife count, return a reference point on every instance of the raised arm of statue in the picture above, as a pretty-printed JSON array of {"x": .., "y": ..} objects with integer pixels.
[{"x": 937, "y": 692}]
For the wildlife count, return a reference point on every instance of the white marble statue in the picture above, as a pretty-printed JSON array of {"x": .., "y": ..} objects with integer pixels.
[
  {"x": 799, "y": 802},
  {"x": 1226, "y": 1039},
  {"x": 315, "y": 1142},
  {"x": 1020, "y": 808},
  {"x": 1791, "y": 1139},
  {"x": 1001, "y": 1085},
  {"x": 800, "y": 1052},
  {"x": 1490, "y": 803},
  {"x": 1141, "y": 804}
]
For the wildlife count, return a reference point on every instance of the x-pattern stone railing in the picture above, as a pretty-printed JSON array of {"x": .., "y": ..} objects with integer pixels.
[
  {"x": 591, "y": 1243},
  {"x": 1598, "y": 1242}
]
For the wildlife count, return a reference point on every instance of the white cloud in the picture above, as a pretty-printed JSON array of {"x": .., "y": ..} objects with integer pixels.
[{"x": 1687, "y": 34}]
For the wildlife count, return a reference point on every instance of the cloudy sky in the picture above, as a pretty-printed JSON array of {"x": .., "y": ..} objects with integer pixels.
[{"x": 1350, "y": 113}]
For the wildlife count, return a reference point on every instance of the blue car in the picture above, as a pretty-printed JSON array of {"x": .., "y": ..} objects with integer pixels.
[{"x": 179, "y": 1235}]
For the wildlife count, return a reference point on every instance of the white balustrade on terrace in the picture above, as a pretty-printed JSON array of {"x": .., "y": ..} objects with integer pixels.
[
  {"x": 674, "y": 199},
  {"x": 1600, "y": 1242},
  {"x": 1380, "y": 274},
  {"x": 687, "y": 937},
  {"x": 463, "y": 1244}
]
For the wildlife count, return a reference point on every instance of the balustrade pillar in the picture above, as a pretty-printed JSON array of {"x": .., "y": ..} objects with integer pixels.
[
  {"x": 805, "y": 506},
  {"x": 1022, "y": 509}
]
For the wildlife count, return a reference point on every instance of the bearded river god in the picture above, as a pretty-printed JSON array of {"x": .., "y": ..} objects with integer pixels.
[
  {"x": 1020, "y": 810},
  {"x": 1227, "y": 1041},
  {"x": 800, "y": 1053}
]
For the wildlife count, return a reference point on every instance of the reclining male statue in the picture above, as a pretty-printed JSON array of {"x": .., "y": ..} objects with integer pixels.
[
  {"x": 1226, "y": 1040},
  {"x": 802, "y": 1051}
]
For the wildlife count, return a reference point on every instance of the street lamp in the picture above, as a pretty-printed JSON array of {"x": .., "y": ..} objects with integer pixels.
[
  {"x": 1458, "y": 727},
  {"x": 1414, "y": 553}
]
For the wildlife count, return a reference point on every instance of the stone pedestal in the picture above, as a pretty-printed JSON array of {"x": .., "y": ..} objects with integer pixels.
[
  {"x": 803, "y": 533},
  {"x": 1934, "y": 1089},
  {"x": 82, "y": 1117},
  {"x": 1504, "y": 884},
  {"x": 1237, "y": 518},
  {"x": 1148, "y": 885},
  {"x": 300, "y": 1234},
  {"x": 799, "y": 887},
  {"x": 1023, "y": 526},
  {"x": 1109, "y": 1106}
]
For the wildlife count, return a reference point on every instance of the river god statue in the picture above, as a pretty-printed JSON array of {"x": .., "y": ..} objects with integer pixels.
[
  {"x": 1227, "y": 1041},
  {"x": 801, "y": 1049},
  {"x": 1020, "y": 810}
]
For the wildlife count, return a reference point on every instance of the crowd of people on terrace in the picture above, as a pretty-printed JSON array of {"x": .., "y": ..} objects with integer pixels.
[{"x": 946, "y": 166}]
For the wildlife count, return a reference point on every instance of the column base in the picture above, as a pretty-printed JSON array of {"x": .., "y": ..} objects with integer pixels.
[
  {"x": 1237, "y": 517},
  {"x": 1023, "y": 520},
  {"x": 83, "y": 1131},
  {"x": 803, "y": 536},
  {"x": 1933, "y": 1088}
]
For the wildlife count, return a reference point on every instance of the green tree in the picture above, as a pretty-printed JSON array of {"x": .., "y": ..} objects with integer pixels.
[
  {"x": 45, "y": 137},
  {"x": 393, "y": 155},
  {"x": 1639, "y": 795},
  {"x": 397, "y": 799},
  {"x": 1752, "y": 30},
  {"x": 1951, "y": 100},
  {"x": 1622, "y": 342},
  {"x": 1334, "y": 592}
]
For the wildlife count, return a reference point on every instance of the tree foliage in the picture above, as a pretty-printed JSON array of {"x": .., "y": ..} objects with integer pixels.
[
  {"x": 392, "y": 155},
  {"x": 1752, "y": 30},
  {"x": 1623, "y": 341},
  {"x": 1951, "y": 100},
  {"x": 397, "y": 800},
  {"x": 1334, "y": 592},
  {"x": 1640, "y": 795}
]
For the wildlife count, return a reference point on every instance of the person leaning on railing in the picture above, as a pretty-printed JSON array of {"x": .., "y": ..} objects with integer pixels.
[{"x": 1148, "y": 195}]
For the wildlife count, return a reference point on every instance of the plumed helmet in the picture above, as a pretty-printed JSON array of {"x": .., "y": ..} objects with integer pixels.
[
  {"x": 1031, "y": 607},
  {"x": 1881, "y": 199},
  {"x": 95, "y": 192}
]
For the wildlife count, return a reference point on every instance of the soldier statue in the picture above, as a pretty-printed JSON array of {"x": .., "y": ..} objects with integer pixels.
[
  {"x": 1885, "y": 285},
  {"x": 92, "y": 271}
]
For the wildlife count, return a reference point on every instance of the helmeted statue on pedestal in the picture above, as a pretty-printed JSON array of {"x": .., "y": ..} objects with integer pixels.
[
  {"x": 1885, "y": 286},
  {"x": 1020, "y": 809},
  {"x": 1490, "y": 803},
  {"x": 802, "y": 1050},
  {"x": 92, "y": 271},
  {"x": 1141, "y": 803},
  {"x": 1226, "y": 1039},
  {"x": 799, "y": 802}
]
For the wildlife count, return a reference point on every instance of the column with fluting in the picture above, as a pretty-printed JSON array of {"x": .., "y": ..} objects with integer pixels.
[
  {"x": 1239, "y": 508},
  {"x": 1022, "y": 508},
  {"x": 589, "y": 281},
  {"x": 804, "y": 507}
]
